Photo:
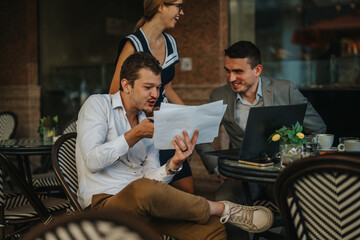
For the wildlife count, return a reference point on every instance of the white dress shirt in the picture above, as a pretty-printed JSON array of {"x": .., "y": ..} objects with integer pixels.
[{"x": 104, "y": 161}]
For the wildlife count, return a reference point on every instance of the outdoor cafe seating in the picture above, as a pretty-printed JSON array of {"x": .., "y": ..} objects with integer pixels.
[
  {"x": 43, "y": 181},
  {"x": 64, "y": 165},
  {"x": 305, "y": 190},
  {"x": 319, "y": 197},
  {"x": 23, "y": 208},
  {"x": 25, "y": 198}
]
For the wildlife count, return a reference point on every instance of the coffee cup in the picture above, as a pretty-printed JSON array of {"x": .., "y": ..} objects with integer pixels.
[
  {"x": 352, "y": 145},
  {"x": 343, "y": 139},
  {"x": 325, "y": 141}
]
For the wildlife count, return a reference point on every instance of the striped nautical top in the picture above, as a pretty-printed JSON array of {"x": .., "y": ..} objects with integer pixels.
[{"x": 141, "y": 44}]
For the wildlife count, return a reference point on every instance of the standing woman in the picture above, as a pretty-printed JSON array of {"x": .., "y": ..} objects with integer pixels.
[{"x": 149, "y": 36}]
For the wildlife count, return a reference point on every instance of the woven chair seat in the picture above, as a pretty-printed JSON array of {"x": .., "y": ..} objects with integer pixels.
[
  {"x": 48, "y": 180},
  {"x": 18, "y": 208},
  {"x": 268, "y": 204},
  {"x": 21, "y": 210}
]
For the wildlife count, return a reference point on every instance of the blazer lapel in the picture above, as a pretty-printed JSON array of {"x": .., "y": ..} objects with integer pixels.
[
  {"x": 267, "y": 91},
  {"x": 230, "y": 101},
  {"x": 229, "y": 120}
]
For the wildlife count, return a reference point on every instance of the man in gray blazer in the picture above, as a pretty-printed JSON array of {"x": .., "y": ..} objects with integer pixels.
[{"x": 246, "y": 88}]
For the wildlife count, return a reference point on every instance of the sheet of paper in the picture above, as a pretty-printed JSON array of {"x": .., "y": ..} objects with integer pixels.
[{"x": 172, "y": 119}]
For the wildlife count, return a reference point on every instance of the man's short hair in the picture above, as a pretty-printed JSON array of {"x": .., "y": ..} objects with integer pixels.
[
  {"x": 245, "y": 49},
  {"x": 132, "y": 65}
]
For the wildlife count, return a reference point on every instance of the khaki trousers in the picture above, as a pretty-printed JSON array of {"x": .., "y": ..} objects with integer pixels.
[{"x": 168, "y": 210}]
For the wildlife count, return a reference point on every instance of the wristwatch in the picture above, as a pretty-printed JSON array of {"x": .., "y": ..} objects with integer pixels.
[{"x": 172, "y": 171}]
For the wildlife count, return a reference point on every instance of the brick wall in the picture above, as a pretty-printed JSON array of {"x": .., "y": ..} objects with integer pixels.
[
  {"x": 24, "y": 101},
  {"x": 19, "y": 89},
  {"x": 202, "y": 35}
]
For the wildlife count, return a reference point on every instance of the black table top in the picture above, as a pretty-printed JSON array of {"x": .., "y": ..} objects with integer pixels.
[
  {"x": 25, "y": 146},
  {"x": 236, "y": 170}
]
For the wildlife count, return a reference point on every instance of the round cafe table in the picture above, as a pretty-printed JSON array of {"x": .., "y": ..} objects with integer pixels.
[
  {"x": 248, "y": 173},
  {"x": 244, "y": 172},
  {"x": 22, "y": 149}
]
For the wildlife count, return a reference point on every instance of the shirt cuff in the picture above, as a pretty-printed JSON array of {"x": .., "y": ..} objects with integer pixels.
[
  {"x": 165, "y": 177},
  {"x": 216, "y": 171}
]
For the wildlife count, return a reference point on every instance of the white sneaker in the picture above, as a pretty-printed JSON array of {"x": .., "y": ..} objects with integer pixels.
[{"x": 253, "y": 219}]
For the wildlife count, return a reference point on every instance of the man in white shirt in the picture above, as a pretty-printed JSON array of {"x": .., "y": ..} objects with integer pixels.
[{"x": 119, "y": 169}]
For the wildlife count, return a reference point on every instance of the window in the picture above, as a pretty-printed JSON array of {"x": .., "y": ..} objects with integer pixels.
[
  {"x": 315, "y": 44},
  {"x": 78, "y": 47}
]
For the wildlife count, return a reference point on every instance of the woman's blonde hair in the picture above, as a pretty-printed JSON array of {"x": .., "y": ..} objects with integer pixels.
[{"x": 150, "y": 9}]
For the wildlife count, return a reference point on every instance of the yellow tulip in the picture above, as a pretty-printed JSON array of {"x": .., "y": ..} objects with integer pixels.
[
  {"x": 275, "y": 138},
  {"x": 300, "y": 135},
  {"x": 51, "y": 133}
]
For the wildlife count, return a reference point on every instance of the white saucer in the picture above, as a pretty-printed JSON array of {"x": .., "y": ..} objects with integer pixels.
[{"x": 327, "y": 149}]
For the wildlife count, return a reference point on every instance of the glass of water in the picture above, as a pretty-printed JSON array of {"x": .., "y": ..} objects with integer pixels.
[{"x": 311, "y": 144}]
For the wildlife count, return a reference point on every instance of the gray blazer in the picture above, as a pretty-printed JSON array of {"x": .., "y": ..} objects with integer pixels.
[{"x": 274, "y": 92}]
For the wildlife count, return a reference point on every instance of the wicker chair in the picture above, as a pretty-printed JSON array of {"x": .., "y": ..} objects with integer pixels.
[
  {"x": 47, "y": 181},
  {"x": 64, "y": 165},
  {"x": 94, "y": 225},
  {"x": 69, "y": 126},
  {"x": 22, "y": 209},
  {"x": 319, "y": 197},
  {"x": 8, "y": 125}
]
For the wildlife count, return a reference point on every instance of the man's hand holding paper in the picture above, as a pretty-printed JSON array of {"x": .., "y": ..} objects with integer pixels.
[{"x": 172, "y": 119}]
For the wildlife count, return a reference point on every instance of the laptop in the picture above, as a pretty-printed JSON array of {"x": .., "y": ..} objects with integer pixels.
[{"x": 262, "y": 122}]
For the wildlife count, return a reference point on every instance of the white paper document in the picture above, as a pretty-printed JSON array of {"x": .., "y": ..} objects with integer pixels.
[{"x": 172, "y": 119}]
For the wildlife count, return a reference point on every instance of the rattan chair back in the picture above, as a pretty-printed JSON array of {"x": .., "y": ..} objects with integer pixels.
[
  {"x": 64, "y": 164},
  {"x": 8, "y": 125},
  {"x": 94, "y": 225},
  {"x": 319, "y": 197}
]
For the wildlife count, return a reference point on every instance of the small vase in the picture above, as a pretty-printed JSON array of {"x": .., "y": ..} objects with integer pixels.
[
  {"x": 290, "y": 153},
  {"x": 48, "y": 136}
]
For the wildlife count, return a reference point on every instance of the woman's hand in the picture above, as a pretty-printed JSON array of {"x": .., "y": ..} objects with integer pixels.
[{"x": 183, "y": 149}]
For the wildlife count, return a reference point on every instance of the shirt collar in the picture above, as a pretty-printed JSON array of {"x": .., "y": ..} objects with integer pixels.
[
  {"x": 258, "y": 93},
  {"x": 116, "y": 102}
]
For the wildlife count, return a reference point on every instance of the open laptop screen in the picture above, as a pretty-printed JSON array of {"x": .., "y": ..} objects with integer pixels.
[{"x": 262, "y": 122}]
